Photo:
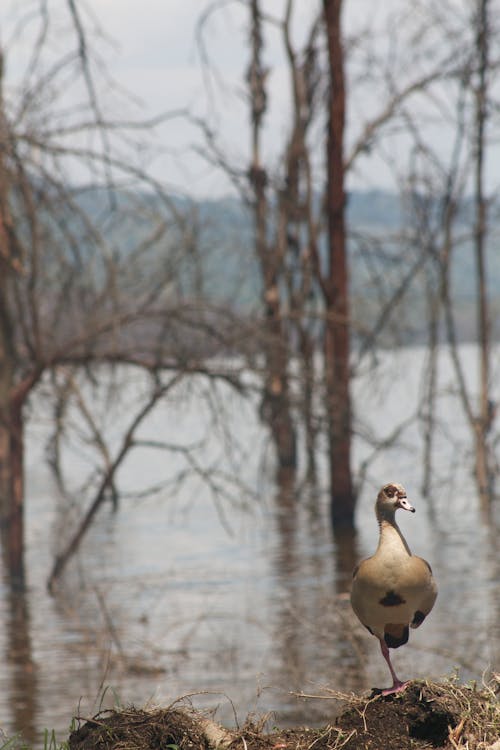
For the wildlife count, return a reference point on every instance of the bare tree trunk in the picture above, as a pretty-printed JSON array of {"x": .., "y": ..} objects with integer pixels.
[
  {"x": 483, "y": 421},
  {"x": 336, "y": 336},
  {"x": 11, "y": 468},
  {"x": 299, "y": 223},
  {"x": 276, "y": 409},
  {"x": 429, "y": 396},
  {"x": 11, "y": 427},
  {"x": 6, "y": 377},
  {"x": 306, "y": 350},
  {"x": 15, "y": 539}
]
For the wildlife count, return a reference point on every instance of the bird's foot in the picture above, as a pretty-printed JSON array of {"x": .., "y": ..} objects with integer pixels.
[{"x": 396, "y": 687}]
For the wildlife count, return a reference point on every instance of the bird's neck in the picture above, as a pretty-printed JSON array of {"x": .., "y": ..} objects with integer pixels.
[{"x": 391, "y": 536}]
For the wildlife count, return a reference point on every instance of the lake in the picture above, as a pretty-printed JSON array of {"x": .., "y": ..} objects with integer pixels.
[{"x": 237, "y": 593}]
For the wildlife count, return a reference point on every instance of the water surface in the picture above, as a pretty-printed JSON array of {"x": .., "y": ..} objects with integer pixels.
[{"x": 243, "y": 601}]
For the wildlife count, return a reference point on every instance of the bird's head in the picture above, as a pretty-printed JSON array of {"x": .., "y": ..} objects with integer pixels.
[{"x": 391, "y": 497}]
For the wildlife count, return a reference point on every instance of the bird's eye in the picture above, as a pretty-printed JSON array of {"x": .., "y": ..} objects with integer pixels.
[{"x": 390, "y": 491}]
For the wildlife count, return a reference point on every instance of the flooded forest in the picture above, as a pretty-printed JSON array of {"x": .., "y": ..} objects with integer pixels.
[{"x": 248, "y": 275}]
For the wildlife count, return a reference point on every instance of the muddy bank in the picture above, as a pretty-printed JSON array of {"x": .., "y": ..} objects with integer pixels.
[{"x": 425, "y": 715}]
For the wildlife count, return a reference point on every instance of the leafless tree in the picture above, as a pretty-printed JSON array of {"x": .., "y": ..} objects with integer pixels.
[
  {"x": 450, "y": 210},
  {"x": 481, "y": 91},
  {"x": 276, "y": 406},
  {"x": 96, "y": 269},
  {"x": 335, "y": 284},
  {"x": 299, "y": 209}
]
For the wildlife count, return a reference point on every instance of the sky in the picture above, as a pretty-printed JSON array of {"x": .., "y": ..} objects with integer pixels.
[
  {"x": 151, "y": 50},
  {"x": 159, "y": 57}
]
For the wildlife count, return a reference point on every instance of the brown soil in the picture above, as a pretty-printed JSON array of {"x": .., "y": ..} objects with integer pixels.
[{"x": 425, "y": 715}]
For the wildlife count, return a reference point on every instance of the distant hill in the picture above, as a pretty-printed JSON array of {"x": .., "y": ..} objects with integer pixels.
[
  {"x": 373, "y": 213},
  {"x": 221, "y": 264}
]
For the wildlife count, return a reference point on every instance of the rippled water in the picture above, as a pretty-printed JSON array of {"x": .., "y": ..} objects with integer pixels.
[{"x": 245, "y": 606}]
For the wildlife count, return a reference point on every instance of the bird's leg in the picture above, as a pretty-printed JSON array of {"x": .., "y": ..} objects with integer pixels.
[{"x": 397, "y": 685}]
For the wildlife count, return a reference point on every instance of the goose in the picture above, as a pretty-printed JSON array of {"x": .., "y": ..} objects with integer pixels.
[{"x": 392, "y": 590}]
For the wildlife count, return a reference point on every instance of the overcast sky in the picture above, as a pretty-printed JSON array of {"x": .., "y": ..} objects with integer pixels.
[
  {"x": 150, "y": 49},
  {"x": 158, "y": 57}
]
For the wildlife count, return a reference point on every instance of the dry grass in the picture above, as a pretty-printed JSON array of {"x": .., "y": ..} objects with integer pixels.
[
  {"x": 136, "y": 729},
  {"x": 440, "y": 715}
]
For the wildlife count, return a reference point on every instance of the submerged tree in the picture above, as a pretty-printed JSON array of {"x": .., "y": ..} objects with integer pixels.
[
  {"x": 298, "y": 197},
  {"x": 450, "y": 207},
  {"x": 276, "y": 407},
  {"x": 94, "y": 270},
  {"x": 335, "y": 284},
  {"x": 483, "y": 424}
]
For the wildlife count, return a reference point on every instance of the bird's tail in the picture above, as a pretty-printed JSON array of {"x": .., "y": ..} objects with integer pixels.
[{"x": 396, "y": 635}]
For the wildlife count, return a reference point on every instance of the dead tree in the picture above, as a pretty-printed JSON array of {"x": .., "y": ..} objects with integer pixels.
[
  {"x": 483, "y": 423},
  {"x": 285, "y": 235},
  {"x": 335, "y": 286},
  {"x": 276, "y": 402},
  {"x": 296, "y": 216},
  {"x": 91, "y": 276},
  {"x": 462, "y": 218},
  {"x": 13, "y": 392},
  {"x": 300, "y": 225}
]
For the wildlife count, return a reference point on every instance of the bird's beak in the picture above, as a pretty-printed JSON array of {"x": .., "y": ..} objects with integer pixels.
[{"x": 405, "y": 504}]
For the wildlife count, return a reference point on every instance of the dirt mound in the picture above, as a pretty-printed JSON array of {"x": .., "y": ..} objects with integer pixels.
[
  {"x": 425, "y": 715},
  {"x": 136, "y": 729}
]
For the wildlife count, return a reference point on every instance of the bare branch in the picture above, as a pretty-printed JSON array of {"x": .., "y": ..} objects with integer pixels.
[{"x": 159, "y": 391}]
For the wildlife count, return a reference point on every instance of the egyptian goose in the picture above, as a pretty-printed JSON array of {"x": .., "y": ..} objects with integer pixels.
[{"x": 392, "y": 589}]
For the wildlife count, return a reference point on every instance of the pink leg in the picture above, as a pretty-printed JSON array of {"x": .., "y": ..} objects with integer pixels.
[{"x": 397, "y": 685}]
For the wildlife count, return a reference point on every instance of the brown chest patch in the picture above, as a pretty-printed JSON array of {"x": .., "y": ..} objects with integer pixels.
[{"x": 391, "y": 599}]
